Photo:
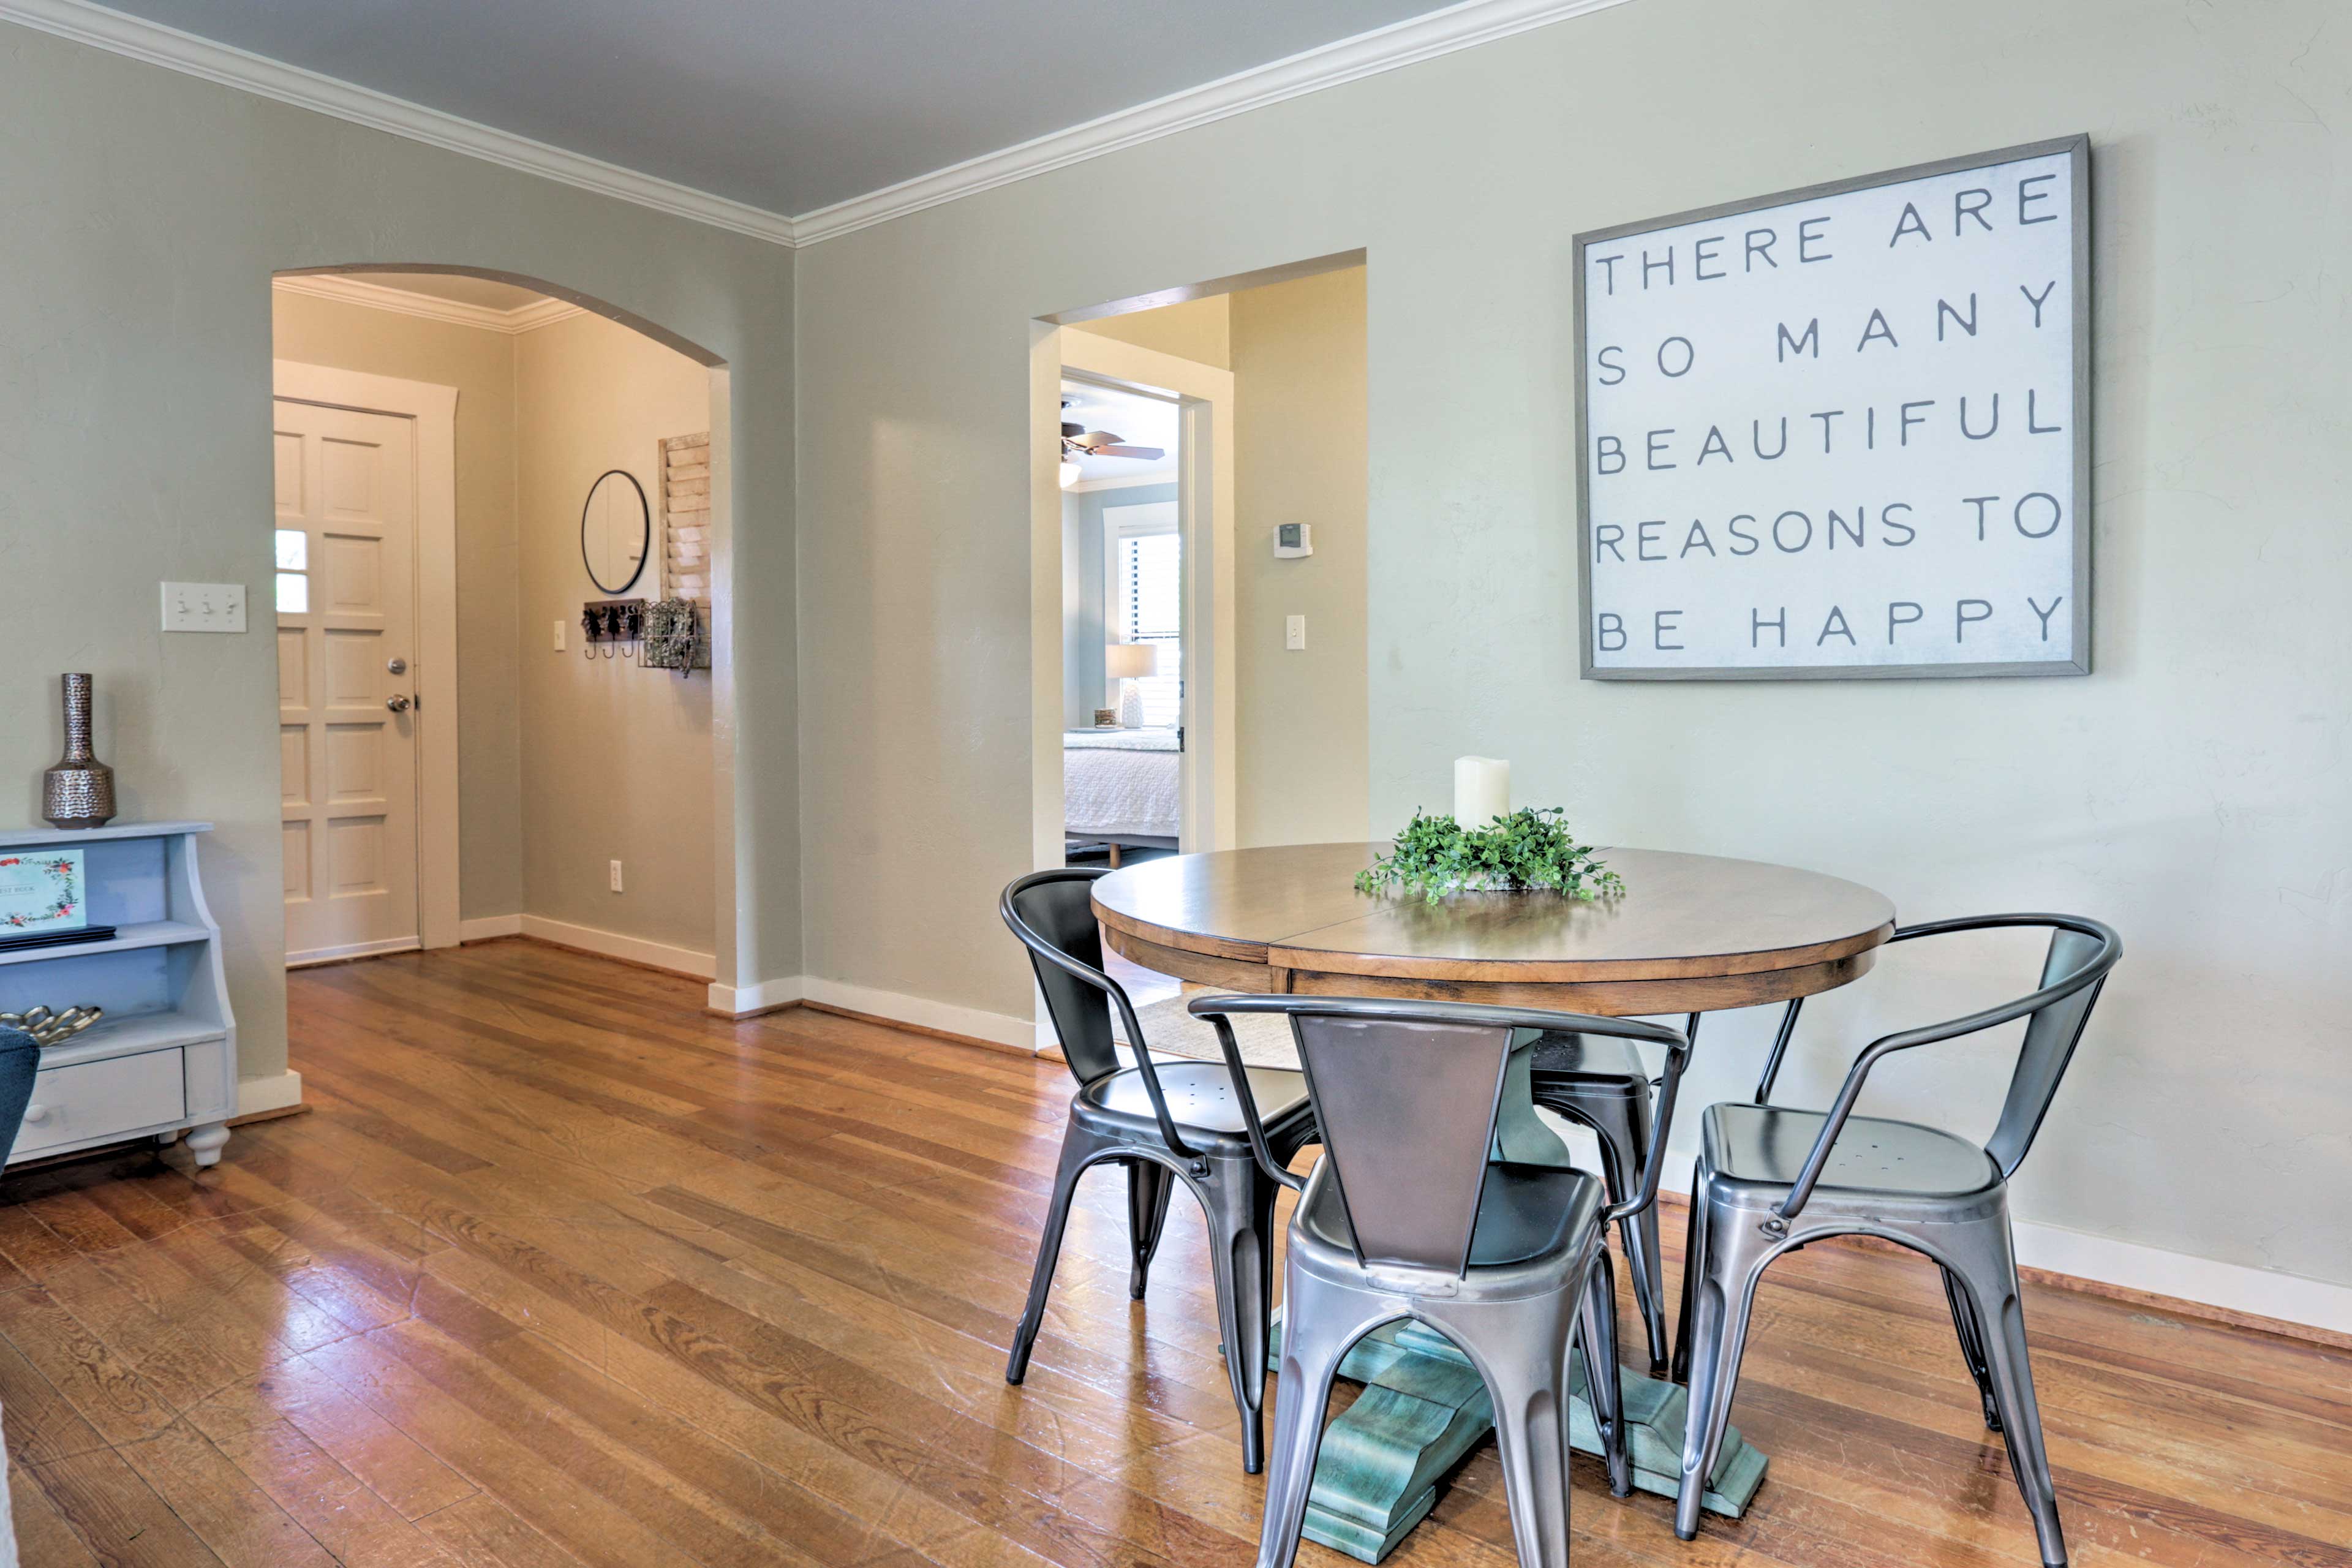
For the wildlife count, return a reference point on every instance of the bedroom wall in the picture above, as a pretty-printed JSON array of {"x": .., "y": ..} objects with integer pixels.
[
  {"x": 479, "y": 363},
  {"x": 616, "y": 760},
  {"x": 147, "y": 211},
  {"x": 2190, "y": 790}
]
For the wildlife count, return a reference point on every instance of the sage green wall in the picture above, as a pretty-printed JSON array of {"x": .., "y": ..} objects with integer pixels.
[
  {"x": 615, "y": 759},
  {"x": 2192, "y": 791},
  {"x": 480, "y": 364},
  {"x": 147, "y": 211}
]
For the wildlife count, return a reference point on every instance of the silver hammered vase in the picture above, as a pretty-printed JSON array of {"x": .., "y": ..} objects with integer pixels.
[{"x": 79, "y": 791}]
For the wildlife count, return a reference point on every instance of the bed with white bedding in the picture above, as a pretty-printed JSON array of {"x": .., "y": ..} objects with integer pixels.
[{"x": 1119, "y": 786}]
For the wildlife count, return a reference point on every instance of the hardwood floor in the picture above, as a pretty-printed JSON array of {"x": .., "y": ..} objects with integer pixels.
[{"x": 563, "y": 1272}]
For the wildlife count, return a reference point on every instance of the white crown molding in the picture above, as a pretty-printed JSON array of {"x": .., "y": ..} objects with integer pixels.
[
  {"x": 1459, "y": 27},
  {"x": 1405, "y": 43},
  {"x": 346, "y": 290},
  {"x": 175, "y": 50}
]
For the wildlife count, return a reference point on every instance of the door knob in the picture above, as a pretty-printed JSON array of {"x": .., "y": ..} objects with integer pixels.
[{"x": 397, "y": 704}]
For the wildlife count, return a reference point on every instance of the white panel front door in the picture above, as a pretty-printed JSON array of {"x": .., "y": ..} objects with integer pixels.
[{"x": 347, "y": 732}]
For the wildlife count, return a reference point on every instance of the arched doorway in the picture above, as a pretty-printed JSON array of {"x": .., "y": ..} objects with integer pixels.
[{"x": 561, "y": 788}]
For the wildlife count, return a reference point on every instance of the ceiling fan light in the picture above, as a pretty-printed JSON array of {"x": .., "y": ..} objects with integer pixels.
[{"x": 1069, "y": 473}]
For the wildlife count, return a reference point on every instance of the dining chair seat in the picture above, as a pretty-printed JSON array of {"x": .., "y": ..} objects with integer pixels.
[
  {"x": 1524, "y": 1212},
  {"x": 1764, "y": 1148},
  {"x": 1199, "y": 1100}
]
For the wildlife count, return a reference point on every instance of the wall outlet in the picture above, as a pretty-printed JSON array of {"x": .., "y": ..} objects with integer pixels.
[
  {"x": 615, "y": 874},
  {"x": 1294, "y": 632},
  {"x": 560, "y": 627},
  {"x": 203, "y": 606}
]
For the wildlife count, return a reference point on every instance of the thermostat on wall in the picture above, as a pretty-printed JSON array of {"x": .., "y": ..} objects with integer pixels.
[{"x": 1294, "y": 539}]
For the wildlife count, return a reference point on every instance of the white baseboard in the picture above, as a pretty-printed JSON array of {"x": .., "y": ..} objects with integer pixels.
[
  {"x": 2263, "y": 1292},
  {"x": 891, "y": 1006},
  {"x": 350, "y": 950},
  {"x": 2130, "y": 1265},
  {"x": 766, "y": 996},
  {"x": 276, "y": 1092},
  {"x": 612, "y": 944},
  {"x": 485, "y": 927}
]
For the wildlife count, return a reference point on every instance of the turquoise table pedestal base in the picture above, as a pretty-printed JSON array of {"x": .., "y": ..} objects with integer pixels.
[{"x": 1423, "y": 1408}]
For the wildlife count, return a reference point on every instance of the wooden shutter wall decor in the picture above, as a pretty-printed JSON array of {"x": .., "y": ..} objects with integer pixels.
[{"x": 685, "y": 527}]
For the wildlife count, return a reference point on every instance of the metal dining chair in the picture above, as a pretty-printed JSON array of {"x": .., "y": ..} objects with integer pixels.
[
  {"x": 1406, "y": 1216},
  {"x": 1167, "y": 1122},
  {"x": 1770, "y": 1180},
  {"x": 1598, "y": 1081}
]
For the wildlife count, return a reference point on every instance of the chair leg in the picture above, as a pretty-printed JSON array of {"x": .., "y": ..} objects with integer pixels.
[
  {"x": 1314, "y": 1339},
  {"x": 1972, "y": 1346},
  {"x": 1621, "y": 1127},
  {"x": 1529, "y": 1381},
  {"x": 1239, "y": 1201},
  {"x": 1078, "y": 1148},
  {"x": 1726, "y": 1292},
  {"x": 1694, "y": 1269},
  {"x": 1603, "y": 1384},
  {"x": 1149, "y": 1186},
  {"x": 1991, "y": 1281}
]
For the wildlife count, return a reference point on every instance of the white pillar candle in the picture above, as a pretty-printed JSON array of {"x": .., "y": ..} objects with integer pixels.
[{"x": 1481, "y": 790}]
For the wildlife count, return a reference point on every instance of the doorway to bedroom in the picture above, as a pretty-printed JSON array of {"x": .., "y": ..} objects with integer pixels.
[{"x": 1123, "y": 658}]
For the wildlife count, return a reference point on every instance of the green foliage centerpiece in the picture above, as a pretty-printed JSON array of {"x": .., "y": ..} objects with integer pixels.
[{"x": 1530, "y": 848}]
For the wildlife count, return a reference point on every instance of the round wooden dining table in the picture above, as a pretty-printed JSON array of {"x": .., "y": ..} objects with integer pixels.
[{"x": 1689, "y": 934}]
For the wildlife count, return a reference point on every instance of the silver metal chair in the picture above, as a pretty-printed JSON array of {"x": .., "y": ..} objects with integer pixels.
[
  {"x": 1770, "y": 1180},
  {"x": 1406, "y": 1216},
  {"x": 1598, "y": 1081},
  {"x": 1166, "y": 1123}
]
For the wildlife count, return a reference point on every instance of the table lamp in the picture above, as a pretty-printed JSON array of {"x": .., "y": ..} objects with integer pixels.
[{"x": 1126, "y": 662}]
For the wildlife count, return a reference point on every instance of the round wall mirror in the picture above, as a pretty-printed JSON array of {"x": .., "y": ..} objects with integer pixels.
[{"x": 615, "y": 528}]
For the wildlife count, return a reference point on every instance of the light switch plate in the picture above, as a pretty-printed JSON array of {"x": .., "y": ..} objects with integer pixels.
[
  {"x": 560, "y": 627},
  {"x": 1294, "y": 632},
  {"x": 203, "y": 606}
]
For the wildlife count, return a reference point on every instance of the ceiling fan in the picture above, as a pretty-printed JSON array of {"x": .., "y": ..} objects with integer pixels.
[{"x": 1077, "y": 442}]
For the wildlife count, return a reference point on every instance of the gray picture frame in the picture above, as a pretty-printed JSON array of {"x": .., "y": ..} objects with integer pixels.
[{"x": 2077, "y": 148}]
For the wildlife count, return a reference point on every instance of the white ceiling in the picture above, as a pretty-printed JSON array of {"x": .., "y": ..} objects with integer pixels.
[
  {"x": 1143, "y": 421},
  {"x": 787, "y": 105}
]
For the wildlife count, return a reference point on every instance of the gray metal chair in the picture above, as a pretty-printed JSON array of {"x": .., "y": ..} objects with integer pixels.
[
  {"x": 1770, "y": 1180},
  {"x": 1407, "y": 1216},
  {"x": 1598, "y": 1081},
  {"x": 1165, "y": 1121}
]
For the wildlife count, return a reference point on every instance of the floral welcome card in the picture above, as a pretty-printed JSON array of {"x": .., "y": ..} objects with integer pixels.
[{"x": 41, "y": 891}]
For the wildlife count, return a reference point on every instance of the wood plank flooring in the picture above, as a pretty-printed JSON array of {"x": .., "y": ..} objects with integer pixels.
[{"x": 562, "y": 1273}]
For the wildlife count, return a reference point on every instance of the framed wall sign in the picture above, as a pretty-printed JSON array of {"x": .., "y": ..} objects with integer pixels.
[{"x": 1843, "y": 431}]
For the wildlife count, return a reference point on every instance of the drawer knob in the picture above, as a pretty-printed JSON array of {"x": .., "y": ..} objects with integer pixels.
[{"x": 36, "y": 1113}]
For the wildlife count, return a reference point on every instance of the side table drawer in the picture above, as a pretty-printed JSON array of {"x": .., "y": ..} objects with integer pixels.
[{"x": 91, "y": 1100}]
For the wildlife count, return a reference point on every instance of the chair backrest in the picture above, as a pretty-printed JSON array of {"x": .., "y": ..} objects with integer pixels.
[
  {"x": 1405, "y": 1096},
  {"x": 1052, "y": 913},
  {"x": 2051, "y": 1036},
  {"x": 1406, "y": 1108}
]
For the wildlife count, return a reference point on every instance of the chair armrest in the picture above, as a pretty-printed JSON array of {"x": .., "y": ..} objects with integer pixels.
[
  {"x": 1259, "y": 1149},
  {"x": 2093, "y": 972},
  {"x": 1044, "y": 951}
]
